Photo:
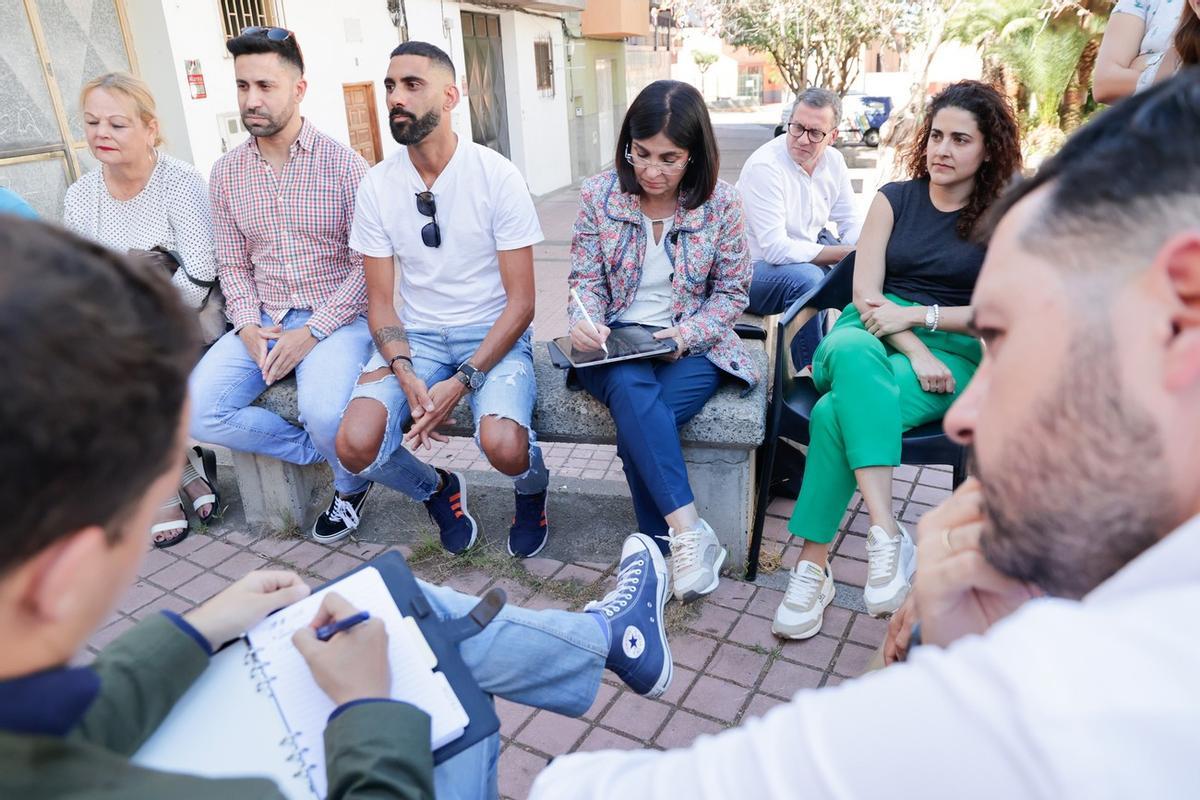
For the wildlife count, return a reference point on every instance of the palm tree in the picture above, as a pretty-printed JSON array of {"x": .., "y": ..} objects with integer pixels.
[
  {"x": 1040, "y": 50},
  {"x": 1091, "y": 16}
]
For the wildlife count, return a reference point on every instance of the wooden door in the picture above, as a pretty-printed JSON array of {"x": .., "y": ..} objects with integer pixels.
[{"x": 362, "y": 120}]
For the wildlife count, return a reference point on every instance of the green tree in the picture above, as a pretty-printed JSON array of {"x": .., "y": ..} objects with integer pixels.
[
  {"x": 815, "y": 42},
  {"x": 704, "y": 60},
  {"x": 1041, "y": 51}
]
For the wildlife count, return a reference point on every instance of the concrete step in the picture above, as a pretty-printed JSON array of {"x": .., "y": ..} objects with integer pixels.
[{"x": 589, "y": 519}]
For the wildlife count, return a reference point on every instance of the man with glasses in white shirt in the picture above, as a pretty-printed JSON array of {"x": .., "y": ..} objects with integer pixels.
[{"x": 792, "y": 188}]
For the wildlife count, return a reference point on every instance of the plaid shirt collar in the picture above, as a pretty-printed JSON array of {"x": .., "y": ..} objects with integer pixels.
[{"x": 305, "y": 141}]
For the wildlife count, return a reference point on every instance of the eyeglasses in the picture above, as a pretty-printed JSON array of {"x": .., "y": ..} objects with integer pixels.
[
  {"x": 274, "y": 34},
  {"x": 431, "y": 234},
  {"x": 666, "y": 169},
  {"x": 797, "y": 130}
]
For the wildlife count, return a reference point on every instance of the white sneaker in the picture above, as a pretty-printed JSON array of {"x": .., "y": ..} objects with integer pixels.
[
  {"x": 696, "y": 558},
  {"x": 810, "y": 590},
  {"x": 891, "y": 561}
]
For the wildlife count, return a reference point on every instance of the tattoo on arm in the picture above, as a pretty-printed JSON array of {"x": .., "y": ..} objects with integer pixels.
[{"x": 390, "y": 333}]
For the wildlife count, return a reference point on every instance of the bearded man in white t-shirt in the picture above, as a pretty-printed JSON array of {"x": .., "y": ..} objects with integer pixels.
[{"x": 457, "y": 221}]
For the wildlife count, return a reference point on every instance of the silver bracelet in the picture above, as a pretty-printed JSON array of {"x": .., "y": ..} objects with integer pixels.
[{"x": 937, "y": 318}]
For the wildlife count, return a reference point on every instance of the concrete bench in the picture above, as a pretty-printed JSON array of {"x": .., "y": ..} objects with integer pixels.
[{"x": 718, "y": 445}]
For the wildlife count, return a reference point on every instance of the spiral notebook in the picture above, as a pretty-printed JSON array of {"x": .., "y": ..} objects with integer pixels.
[{"x": 256, "y": 710}]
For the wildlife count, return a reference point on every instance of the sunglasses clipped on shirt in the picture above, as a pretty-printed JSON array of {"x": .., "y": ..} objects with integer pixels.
[
  {"x": 431, "y": 234},
  {"x": 274, "y": 34}
]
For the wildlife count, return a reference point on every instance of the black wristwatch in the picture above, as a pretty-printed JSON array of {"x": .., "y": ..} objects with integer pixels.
[{"x": 471, "y": 377}]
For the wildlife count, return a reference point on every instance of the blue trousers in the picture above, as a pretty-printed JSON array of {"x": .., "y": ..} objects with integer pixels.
[
  {"x": 544, "y": 659},
  {"x": 774, "y": 287},
  {"x": 777, "y": 286},
  {"x": 649, "y": 401},
  {"x": 226, "y": 381}
]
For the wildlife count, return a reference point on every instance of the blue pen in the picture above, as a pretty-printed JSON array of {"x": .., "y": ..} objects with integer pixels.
[{"x": 325, "y": 632}]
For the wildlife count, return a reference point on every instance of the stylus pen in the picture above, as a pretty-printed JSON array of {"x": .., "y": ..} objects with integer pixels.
[
  {"x": 326, "y": 632},
  {"x": 582, "y": 310}
]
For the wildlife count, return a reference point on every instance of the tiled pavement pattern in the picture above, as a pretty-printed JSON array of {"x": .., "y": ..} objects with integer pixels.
[{"x": 728, "y": 665}]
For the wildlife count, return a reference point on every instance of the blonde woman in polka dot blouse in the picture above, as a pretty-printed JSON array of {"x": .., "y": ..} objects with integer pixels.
[{"x": 141, "y": 198}]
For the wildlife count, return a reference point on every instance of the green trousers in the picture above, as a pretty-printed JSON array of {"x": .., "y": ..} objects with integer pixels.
[{"x": 870, "y": 396}]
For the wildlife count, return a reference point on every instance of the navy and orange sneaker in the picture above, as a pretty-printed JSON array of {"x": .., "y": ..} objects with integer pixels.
[
  {"x": 448, "y": 510},
  {"x": 529, "y": 530}
]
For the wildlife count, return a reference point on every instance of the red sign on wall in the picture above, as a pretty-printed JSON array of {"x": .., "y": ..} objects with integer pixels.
[{"x": 195, "y": 79}]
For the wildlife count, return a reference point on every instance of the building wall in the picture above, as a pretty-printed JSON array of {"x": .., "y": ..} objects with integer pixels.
[
  {"x": 720, "y": 80},
  {"x": 348, "y": 42},
  {"x": 441, "y": 24},
  {"x": 643, "y": 66},
  {"x": 537, "y": 120},
  {"x": 584, "y": 117}
]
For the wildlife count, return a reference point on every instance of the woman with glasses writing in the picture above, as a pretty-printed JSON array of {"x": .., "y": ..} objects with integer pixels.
[{"x": 659, "y": 242}]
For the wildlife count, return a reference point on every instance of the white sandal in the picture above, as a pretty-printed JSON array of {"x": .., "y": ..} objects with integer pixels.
[
  {"x": 201, "y": 465},
  {"x": 166, "y": 527}
]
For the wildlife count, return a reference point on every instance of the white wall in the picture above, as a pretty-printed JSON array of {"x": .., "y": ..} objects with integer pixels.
[
  {"x": 343, "y": 42},
  {"x": 425, "y": 24},
  {"x": 537, "y": 125},
  {"x": 721, "y": 78},
  {"x": 348, "y": 41}
]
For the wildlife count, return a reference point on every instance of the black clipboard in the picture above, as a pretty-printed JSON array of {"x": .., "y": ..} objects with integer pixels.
[{"x": 443, "y": 637}]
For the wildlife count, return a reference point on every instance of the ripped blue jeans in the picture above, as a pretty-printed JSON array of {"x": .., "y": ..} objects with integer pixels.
[{"x": 508, "y": 393}]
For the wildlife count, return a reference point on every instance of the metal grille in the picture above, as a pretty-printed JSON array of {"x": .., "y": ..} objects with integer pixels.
[
  {"x": 485, "y": 81},
  {"x": 543, "y": 60},
  {"x": 239, "y": 14}
]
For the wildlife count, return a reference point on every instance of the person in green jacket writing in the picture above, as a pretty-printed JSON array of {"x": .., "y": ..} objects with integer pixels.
[{"x": 92, "y": 415}]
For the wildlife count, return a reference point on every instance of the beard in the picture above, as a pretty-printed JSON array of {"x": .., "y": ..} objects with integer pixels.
[
  {"x": 1082, "y": 491},
  {"x": 272, "y": 126},
  {"x": 410, "y": 129}
]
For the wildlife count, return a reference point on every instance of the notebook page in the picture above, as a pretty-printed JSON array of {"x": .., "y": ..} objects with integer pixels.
[
  {"x": 223, "y": 727},
  {"x": 306, "y": 708}
]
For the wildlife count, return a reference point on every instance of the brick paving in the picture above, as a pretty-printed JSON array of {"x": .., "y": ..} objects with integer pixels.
[{"x": 728, "y": 665}]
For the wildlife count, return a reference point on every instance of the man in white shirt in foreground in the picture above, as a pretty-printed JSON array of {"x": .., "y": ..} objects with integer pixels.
[
  {"x": 1084, "y": 418},
  {"x": 792, "y": 188}
]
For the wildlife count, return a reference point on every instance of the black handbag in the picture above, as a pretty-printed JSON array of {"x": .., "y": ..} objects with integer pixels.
[{"x": 211, "y": 314}]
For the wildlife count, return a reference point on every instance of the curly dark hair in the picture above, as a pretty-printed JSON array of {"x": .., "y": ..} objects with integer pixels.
[{"x": 1001, "y": 139}]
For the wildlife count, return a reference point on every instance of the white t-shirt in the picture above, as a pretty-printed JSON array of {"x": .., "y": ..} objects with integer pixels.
[
  {"x": 652, "y": 303},
  {"x": 483, "y": 206},
  {"x": 1161, "y": 18}
]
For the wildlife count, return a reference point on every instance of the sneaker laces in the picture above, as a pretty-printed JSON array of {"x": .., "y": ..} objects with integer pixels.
[
  {"x": 802, "y": 588},
  {"x": 881, "y": 557},
  {"x": 685, "y": 548},
  {"x": 341, "y": 511},
  {"x": 627, "y": 583}
]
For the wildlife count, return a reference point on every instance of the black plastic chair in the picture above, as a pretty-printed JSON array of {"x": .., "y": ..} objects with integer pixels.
[{"x": 792, "y": 398}]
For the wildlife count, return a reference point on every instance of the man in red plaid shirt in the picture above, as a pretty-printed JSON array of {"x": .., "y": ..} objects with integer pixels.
[{"x": 282, "y": 205}]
